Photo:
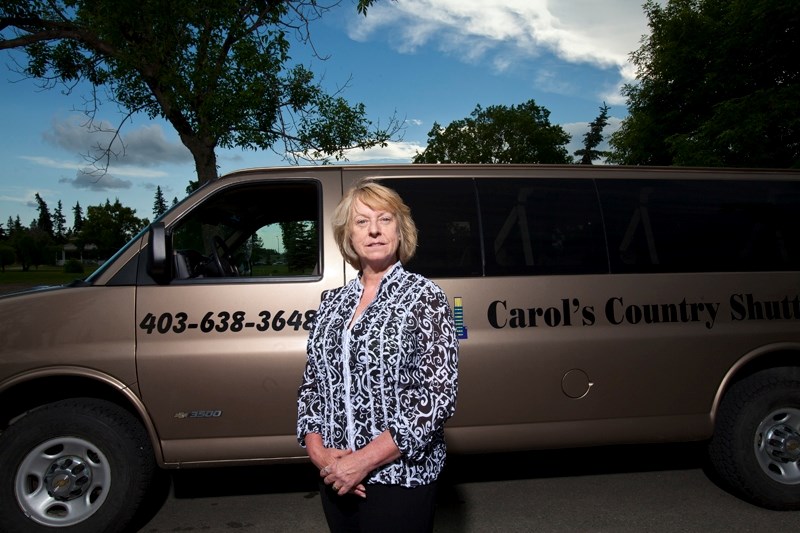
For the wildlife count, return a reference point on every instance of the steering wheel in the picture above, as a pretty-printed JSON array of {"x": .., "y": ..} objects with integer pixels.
[{"x": 222, "y": 258}]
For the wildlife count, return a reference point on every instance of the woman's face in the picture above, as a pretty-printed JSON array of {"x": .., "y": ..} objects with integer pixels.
[{"x": 374, "y": 236}]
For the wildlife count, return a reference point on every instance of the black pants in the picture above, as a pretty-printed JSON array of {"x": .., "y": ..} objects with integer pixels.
[{"x": 387, "y": 508}]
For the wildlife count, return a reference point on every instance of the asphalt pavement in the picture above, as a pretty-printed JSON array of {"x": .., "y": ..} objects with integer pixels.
[{"x": 657, "y": 488}]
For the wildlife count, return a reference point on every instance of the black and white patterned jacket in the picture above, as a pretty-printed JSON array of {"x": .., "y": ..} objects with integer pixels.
[{"x": 396, "y": 369}]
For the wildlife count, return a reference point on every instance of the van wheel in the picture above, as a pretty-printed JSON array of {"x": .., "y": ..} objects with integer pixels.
[
  {"x": 756, "y": 444},
  {"x": 79, "y": 465}
]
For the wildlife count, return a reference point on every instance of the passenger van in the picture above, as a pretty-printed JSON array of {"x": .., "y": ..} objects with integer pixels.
[{"x": 595, "y": 305}]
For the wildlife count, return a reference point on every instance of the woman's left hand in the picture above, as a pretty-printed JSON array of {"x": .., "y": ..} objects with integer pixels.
[
  {"x": 345, "y": 475},
  {"x": 347, "y": 472}
]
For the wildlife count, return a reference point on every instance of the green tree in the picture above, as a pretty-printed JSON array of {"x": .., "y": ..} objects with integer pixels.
[
  {"x": 718, "y": 84},
  {"x": 498, "y": 134},
  {"x": 219, "y": 72},
  {"x": 60, "y": 224},
  {"x": 45, "y": 221},
  {"x": 159, "y": 204},
  {"x": 7, "y": 256},
  {"x": 31, "y": 246},
  {"x": 593, "y": 138},
  {"x": 300, "y": 245},
  {"x": 77, "y": 218},
  {"x": 110, "y": 226}
]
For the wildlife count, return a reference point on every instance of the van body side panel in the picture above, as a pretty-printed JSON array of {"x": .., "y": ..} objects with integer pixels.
[
  {"x": 572, "y": 434},
  {"x": 220, "y": 360},
  {"x": 87, "y": 327},
  {"x": 531, "y": 341},
  {"x": 217, "y": 380}
]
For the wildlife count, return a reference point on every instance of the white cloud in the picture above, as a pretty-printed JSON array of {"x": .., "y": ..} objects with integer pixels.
[
  {"x": 141, "y": 155},
  {"x": 52, "y": 163},
  {"x": 146, "y": 146},
  {"x": 24, "y": 200},
  {"x": 601, "y": 34},
  {"x": 550, "y": 81},
  {"x": 89, "y": 170},
  {"x": 397, "y": 152},
  {"x": 99, "y": 182}
]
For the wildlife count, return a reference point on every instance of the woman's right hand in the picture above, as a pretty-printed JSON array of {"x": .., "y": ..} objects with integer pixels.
[{"x": 325, "y": 459}]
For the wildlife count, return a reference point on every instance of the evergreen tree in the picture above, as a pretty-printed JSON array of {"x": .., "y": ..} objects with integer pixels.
[
  {"x": 160, "y": 204},
  {"x": 45, "y": 221},
  {"x": 593, "y": 138},
  {"x": 77, "y": 221},
  {"x": 60, "y": 222},
  {"x": 299, "y": 241}
]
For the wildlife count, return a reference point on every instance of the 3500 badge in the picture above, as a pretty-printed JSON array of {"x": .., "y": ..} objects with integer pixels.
[{"x": 224, "y": 321}]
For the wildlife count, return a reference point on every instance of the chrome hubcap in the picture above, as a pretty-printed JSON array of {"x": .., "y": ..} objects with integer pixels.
[{"x": 777, "y": 446}]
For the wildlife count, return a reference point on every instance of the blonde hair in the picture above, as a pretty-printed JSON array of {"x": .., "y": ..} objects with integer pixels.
[{"x": 380, "y": 198}]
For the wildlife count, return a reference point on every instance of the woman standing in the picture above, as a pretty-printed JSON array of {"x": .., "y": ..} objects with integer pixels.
[{"x": 381, "y": 376}]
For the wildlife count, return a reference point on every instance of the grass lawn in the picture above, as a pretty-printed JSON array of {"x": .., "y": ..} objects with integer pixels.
[{"x": 14, "y": 279}]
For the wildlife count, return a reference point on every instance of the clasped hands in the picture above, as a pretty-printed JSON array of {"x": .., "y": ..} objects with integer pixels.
[{"x": 343, "y": 473}]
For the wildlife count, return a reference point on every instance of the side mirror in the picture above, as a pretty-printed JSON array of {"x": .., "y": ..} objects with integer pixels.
[{"x": 159, "y": 262}]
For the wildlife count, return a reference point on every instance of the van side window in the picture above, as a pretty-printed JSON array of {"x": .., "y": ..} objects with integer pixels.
[
  {"x": 701, "y": 225},
  {"x": 445, "y": 213},
  {"x": 252, "y": 230},
  {"x": 541, "y": 226}
]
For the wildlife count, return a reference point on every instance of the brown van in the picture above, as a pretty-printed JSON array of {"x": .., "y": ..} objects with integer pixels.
[{"x": 595, "y": 305}]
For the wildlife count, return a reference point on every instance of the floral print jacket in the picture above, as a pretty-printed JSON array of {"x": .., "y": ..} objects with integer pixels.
[{"x": 395, "y": 369}]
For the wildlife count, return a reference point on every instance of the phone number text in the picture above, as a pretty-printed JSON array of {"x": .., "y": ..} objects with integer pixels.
[{"x": 224, "y": 321}]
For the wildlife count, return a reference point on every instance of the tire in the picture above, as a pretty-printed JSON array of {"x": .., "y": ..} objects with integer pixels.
[
  {"x": 756, "y": 444},
  {"x": 80, "y": 465}
]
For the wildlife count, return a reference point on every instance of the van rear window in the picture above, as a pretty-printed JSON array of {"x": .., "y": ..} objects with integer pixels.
[
  {"x": 446, "y": 215},
  {"x": 526, "y": 226},
  {"x": 701, "y": 225},
  {"x": 541, "y": 226}
]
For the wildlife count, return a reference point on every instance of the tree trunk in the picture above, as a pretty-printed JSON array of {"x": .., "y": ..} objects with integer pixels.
[{"x": 205, "y": 158}]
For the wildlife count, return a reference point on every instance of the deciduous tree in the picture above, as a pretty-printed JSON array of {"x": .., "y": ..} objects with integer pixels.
[
  {"x": 498, "y": 134},
  {"x": 109, "y": 226},
  {"x": 219, "y": 72},
  {"x": 718, "y": 84}
]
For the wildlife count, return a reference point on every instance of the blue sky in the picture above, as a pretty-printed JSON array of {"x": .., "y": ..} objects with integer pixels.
[{"x": 424, "y": 61}]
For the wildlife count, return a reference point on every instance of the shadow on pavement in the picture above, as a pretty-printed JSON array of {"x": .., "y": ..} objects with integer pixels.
[
  {"x": 302, "y": 477},
  {"x": 460, "y": 470}
]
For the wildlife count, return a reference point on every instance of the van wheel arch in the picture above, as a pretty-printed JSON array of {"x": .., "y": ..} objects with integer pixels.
[
  {"x": 755, "y": 448},
  {"x": 80, "y": 464}
]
